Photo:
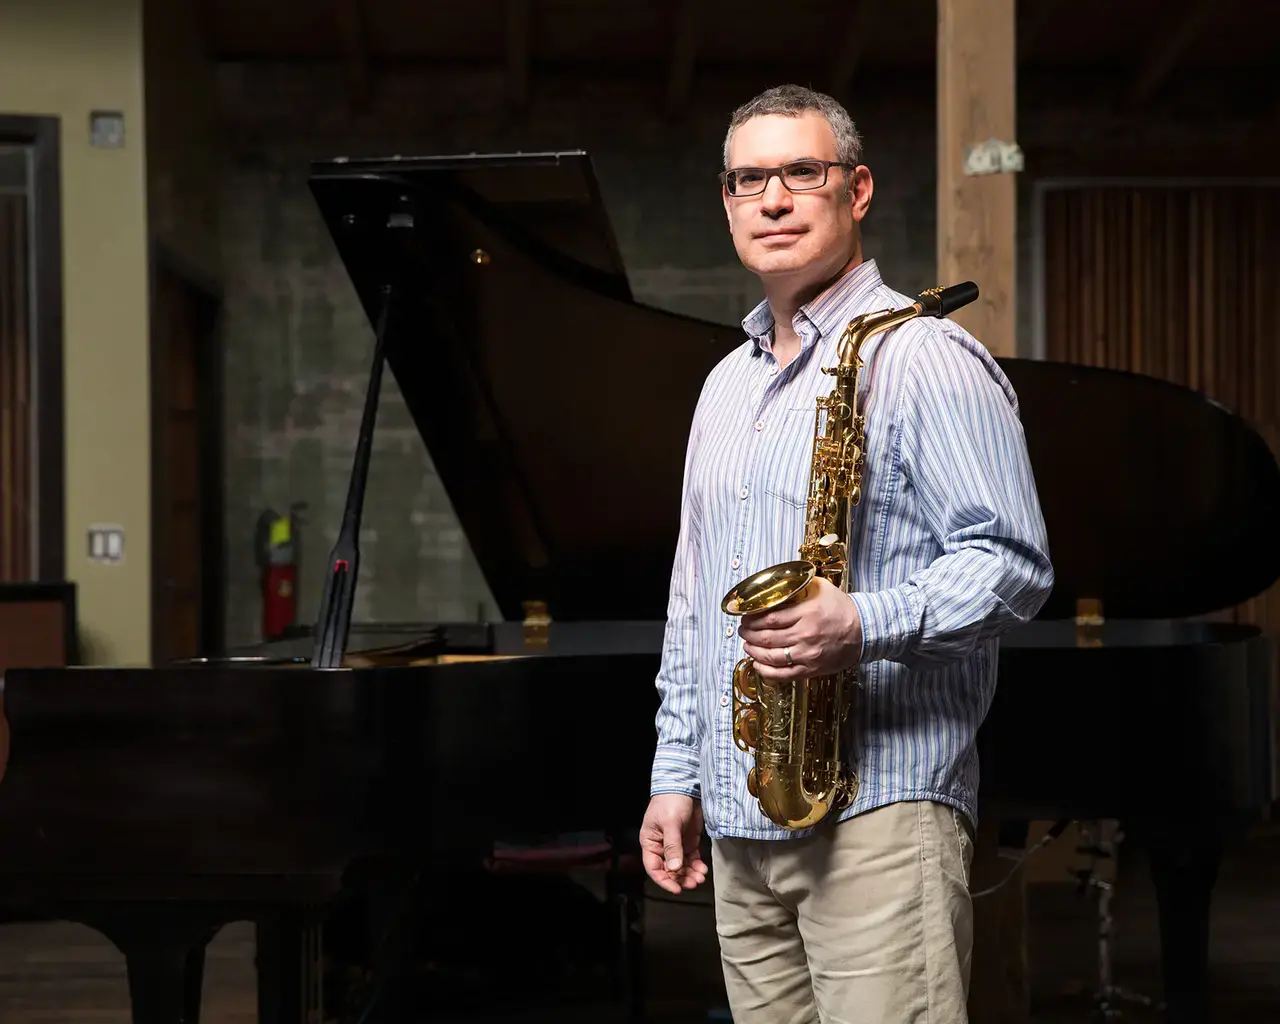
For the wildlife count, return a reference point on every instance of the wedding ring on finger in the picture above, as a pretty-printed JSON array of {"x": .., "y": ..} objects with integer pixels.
[{"x": 787, "y": 654}]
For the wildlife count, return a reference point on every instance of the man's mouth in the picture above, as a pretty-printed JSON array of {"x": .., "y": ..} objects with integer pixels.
[{"x": 779, "y": 232}]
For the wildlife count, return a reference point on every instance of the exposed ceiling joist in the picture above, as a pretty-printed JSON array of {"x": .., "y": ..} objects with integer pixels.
[
  {"x": 684, "y": 54},
  {"x": 858, "y": 28},
  {"x": 518, "y": 47},
  {"x": 1031, "y": 27},
  {"x": 349, "y": 15},
  {"x": 1169, "y": 44}
]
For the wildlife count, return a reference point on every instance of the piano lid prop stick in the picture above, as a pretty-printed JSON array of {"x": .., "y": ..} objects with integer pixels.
[{"x": 333, "y": 625}]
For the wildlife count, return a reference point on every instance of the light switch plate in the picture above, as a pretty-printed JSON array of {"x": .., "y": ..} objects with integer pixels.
[
  {"x": 106, "y": 543},
  {"x": 106, "y": 129}
]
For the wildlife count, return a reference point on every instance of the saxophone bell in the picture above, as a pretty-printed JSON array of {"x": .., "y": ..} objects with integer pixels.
[{"x": 769, "y": 588}]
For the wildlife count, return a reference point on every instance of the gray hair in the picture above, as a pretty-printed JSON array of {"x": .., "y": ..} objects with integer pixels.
[{"x": 792, "y": 101}]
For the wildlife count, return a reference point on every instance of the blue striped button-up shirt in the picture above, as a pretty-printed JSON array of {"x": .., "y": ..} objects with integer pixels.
[{"x": 948, "y": 551}]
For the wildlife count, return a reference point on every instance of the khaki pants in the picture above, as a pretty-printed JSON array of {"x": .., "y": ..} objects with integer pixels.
[{"x": 866, "y": 922}]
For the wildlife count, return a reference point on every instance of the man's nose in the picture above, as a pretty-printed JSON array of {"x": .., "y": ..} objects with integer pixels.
[{"x": 777, "y": 197}]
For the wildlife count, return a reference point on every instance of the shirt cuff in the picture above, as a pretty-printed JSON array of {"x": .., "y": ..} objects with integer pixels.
[
  {"x": 675, "y": 770},
  {"x": 889, "y": 622}
]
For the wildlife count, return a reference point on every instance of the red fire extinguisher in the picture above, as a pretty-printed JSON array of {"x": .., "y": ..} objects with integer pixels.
[{"x": 277, "y": 555}]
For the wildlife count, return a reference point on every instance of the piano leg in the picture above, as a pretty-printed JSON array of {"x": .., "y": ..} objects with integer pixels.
[
  {"x": 1184, "y": 861},
  {"x": 164, "y": 950},
  {"x": 625, "y": 891},
  {"x": 394, "y": 914},
  {"x": 166, "y": 983}
]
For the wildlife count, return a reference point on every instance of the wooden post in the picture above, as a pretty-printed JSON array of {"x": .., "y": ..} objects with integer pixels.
[
  {"x": 976, "y": 211},
  {"x": 977, "y": 240}
]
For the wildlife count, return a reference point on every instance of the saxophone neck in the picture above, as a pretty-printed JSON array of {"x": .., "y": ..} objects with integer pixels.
[
  {"x": 934, "y": 302},
  {"x": 866, "y": 326}
]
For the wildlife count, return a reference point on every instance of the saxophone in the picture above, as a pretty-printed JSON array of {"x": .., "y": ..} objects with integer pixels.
[{"x": 794, "y": 727}]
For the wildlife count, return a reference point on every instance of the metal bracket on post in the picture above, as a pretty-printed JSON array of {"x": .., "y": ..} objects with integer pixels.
[{"x": 992, "y": 157}]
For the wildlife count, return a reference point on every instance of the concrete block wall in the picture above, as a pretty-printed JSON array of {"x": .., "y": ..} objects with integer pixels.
[{"x": 297, "y": 346}]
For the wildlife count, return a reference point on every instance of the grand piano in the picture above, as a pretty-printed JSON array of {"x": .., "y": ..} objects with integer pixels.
[{"x": 157, "y": 804}]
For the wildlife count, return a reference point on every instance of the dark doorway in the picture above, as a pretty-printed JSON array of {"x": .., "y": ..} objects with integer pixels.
[
  {"x": 32, "y": 519},
  {"x": 186, "y": 440}
]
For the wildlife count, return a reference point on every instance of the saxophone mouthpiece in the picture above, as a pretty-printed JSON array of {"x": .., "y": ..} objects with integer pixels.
[{"x": 940, "y": 302}]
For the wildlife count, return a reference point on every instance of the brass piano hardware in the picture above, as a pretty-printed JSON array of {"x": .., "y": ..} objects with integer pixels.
[
  {"x": 537, "y": 624},
  {"x": 794, "y": 727},
  {"x": 1089, "y": 622}
]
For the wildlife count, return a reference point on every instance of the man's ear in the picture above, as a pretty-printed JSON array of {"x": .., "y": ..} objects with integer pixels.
[{"x": 861, "y": 188}]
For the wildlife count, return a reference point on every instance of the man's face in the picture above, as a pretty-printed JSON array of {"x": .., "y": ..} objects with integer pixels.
[{"x": 808, "y": 235}]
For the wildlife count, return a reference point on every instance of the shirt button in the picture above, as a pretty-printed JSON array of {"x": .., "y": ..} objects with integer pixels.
[
  {"x": 742, "y": 493},
  {"x": 724, "y": 702},
  {"x": 728, "y": 631},
  {"x": 737, "y": 562},
  {"x": 759, "y": 424},
  {"x": 773, "y": 370}
]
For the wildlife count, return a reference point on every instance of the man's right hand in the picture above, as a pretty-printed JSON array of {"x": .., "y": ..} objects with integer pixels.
[{"x": 670, "y": 842}]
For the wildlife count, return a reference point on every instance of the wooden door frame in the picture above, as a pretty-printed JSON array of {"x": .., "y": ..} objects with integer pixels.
[
  {"x": 1042, "y": 186},
  {"x": 42, "y": 134},
  {"x": 212, "y": 487}
]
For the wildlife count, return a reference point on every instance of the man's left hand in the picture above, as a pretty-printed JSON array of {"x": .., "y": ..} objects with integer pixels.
[{"x": 820, "y": 629}]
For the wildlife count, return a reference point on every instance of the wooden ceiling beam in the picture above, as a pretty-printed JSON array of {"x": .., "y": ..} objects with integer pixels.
[
  {"x": 518, "y": 50},
  {"x": 858, "y": 28},
  {"x": 349, "y": 15},
  {"x": 1168, "y": 46},
  {"x": 684, "y": 55}
]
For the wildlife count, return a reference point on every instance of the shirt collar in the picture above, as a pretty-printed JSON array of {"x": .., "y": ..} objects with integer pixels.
[{"x": 827, "y": 313}]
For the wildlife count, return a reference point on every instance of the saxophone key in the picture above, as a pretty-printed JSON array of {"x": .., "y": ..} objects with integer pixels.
[
  {"x": 746, "y": 727},
  {"x": 746, "y": 680}
]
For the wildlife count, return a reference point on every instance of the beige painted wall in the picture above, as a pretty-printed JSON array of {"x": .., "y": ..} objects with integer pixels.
[{"x": 65, "y": 58}]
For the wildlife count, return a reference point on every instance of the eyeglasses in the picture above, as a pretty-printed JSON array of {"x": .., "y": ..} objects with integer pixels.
[{"x": 797, "y": 176}]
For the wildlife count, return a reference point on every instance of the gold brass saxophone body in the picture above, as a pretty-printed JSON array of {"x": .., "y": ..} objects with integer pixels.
[{"x": 794, "y": 727}]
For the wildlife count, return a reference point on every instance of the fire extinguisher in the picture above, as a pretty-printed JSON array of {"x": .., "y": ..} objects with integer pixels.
[{"x": 276, "y": 544}]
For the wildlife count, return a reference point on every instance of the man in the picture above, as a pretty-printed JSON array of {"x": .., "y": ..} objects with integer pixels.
[{"x": 865, "y": 918}]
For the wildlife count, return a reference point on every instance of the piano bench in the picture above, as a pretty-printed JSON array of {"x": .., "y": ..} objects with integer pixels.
[
  {"x": 624, "y": 889},
  {"x": 559, "y": 859}
]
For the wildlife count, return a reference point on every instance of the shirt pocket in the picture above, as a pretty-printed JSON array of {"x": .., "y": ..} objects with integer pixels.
[
  {"x": 787, "y": 474},
  {"x": 790, "y": 495}
]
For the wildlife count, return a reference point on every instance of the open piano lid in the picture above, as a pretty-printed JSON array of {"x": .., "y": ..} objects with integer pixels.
[{"x": 556, "y": 409}]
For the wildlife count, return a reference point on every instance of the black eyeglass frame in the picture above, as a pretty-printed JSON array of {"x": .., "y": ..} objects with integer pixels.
[{"x": 771, "y": 172}]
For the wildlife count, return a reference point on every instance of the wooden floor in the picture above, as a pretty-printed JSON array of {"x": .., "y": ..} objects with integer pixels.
[{"x": 53, "y": 972}]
